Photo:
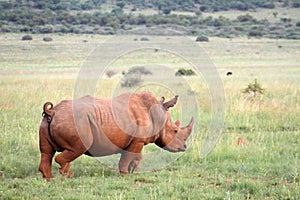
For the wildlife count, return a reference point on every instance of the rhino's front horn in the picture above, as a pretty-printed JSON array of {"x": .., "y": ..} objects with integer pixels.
[
  {"x": 188, "y": 129},
  {"x": 191, "y": 124}
]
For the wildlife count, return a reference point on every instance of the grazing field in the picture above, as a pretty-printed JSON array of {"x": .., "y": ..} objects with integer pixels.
[{"x": 256, "y": 157}]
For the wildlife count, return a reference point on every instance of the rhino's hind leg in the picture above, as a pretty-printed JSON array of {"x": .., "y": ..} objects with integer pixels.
[
  {"x": 45, "y": 165},
  {"x": 64, "y": 159},
  {"x": 46, "y": 149}
]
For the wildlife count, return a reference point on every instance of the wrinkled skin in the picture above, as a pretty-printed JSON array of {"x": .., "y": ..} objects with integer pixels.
[{"x": 100, "y": 127}]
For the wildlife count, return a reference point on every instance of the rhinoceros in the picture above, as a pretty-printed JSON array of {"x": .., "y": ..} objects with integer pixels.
[{"x": 99, "y": 127}]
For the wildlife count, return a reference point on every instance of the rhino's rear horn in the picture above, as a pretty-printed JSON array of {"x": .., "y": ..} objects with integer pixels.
[{"x": 170, "y": 103}]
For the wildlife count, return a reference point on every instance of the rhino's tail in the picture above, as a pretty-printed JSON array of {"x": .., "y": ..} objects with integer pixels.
[{"x": 48, "y": 111}]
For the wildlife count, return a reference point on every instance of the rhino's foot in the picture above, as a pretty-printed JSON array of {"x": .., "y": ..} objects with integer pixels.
[
  {"x": 47, "y": 178},
  {"x": 64, "y": 159},
  {"x": 129, "y": 162},
  {"x": 123, "y": 173},
  {"x": 134, "y": 164},
  {"x": 47, "y": 175},
  {"x": 66, "y": 170}
]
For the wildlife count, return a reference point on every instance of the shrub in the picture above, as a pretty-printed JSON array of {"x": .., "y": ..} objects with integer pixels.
[
  {"x": 144, "y": 39},
  {"x": 134, "y": 76},
  {"x": 167, "y": 11},
  {"x": 140, "y": 70},
  {"x": 46, "y": 29},
  {"x": 269, "y": 5},
  {"x": 27, "y": 37},
  {"x": 131, "y": 80},
  {"x": 296, "y": 5},
  {"x": 245, "y": 18},
  {"x": 286, "y": 20},
  {"x": 255, "y": 32},
  {"x": 47, "y": 39},
  {"x": 254, "y": 88},
  {"x": 110, "y": 73},
  {"x": 202, "y": 39},
  {"x": 185, "y": 72},
  {"x": 121, "y": 4},
  {"x": 198, "y": 13}
]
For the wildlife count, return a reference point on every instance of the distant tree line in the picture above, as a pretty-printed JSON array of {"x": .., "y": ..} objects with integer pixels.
[
  {"x": 76, "y": 16},
  {"x": 179, "y": 5}
]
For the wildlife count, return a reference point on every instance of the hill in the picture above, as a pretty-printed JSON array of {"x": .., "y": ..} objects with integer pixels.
[{"x": 192, "y": 17}]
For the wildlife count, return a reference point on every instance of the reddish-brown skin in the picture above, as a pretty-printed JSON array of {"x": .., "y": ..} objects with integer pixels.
[{"x": 100, "y": 127}]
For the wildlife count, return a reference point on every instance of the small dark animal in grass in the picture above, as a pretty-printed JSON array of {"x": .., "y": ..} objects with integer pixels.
[
  {"x": 100, "y": 127},
  {"x": 229, "y": 74}
]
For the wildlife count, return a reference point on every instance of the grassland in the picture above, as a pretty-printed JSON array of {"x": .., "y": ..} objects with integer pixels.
[
  {"x": 259, "y": 14},
  {"x": 264, "y": 166}
]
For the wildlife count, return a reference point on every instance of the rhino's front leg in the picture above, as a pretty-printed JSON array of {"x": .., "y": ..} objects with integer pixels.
[{"x": 130, "y": 158}]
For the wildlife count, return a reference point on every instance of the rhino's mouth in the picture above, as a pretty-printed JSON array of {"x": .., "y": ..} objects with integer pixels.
[
  {"x": 175, "y": 150},
  {"x": 182, "y": 149}
]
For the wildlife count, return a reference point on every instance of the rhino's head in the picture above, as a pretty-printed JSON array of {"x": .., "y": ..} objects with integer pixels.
[{"x": 172, "y": 137}]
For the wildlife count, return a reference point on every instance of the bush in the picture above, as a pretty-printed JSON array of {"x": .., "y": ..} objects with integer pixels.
[
  {"x": 27, "y": 37},
  {"x": 245, "y": 18},
  {"x": 202, "y": 39},
  {"x": 144, "y": 39},
  {"x": 139, "y": 70},
  {"x": 131, "y": 80},
  {"x": 185, "y": 72},
  {"x": 286, "y": 20},
  {"x": 47, "y": 39},
  {"x": 110, "y": 73},
  {"x": 256, "y": 32},
  {"x": 296, "y": 5},
  {"x": 254, "y": 88},
  {"x": 269, "y": 5},
  {"x": 46, "y": 29},
  {"x": 134, "y": 76}
]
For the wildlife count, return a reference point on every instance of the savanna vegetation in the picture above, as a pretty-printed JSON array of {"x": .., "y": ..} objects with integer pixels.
[
  {"x": 187, "y": 17},
  {"x": 256, "y": 157}
]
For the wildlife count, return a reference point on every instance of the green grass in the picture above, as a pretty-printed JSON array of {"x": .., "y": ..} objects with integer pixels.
[{"x": 266, "y": 167}]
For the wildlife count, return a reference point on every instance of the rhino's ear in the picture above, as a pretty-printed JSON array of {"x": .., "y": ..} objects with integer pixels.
[
  {"x": 177, "y": 123},
  {"x": 170, "y": 103},
  {"x": 162, "y": 100}
]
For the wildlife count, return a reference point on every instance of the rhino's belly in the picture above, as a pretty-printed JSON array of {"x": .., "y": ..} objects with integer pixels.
[
  {"x": 99, "y": 150},
  {"x": 104, "y": 145}
]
